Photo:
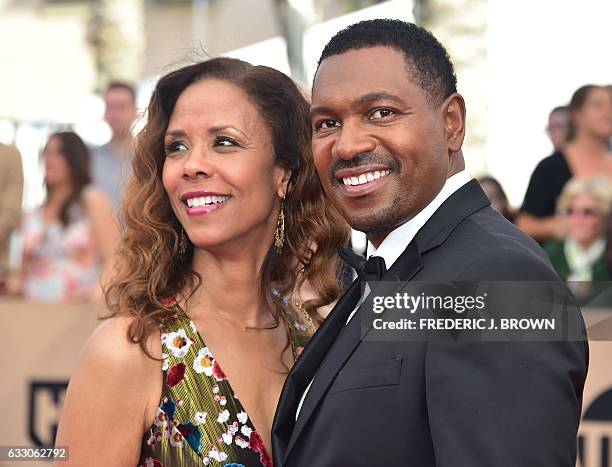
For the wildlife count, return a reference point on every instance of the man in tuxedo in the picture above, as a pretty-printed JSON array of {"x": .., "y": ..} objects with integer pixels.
[{"x": 388, "y": 126}]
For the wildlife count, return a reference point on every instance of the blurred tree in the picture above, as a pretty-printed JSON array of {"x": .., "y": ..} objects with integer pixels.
[
  {"x": 116, "y": 34},
  {"x": 294, "y": 17}
]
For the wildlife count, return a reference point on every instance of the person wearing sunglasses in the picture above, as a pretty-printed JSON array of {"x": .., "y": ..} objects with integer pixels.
[{"x": 583, "y": 208}]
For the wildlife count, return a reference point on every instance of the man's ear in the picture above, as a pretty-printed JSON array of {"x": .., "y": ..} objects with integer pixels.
[{"x": 453, "y": 109}]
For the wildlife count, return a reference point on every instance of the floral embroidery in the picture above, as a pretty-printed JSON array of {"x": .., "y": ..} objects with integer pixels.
[
  {"x": 223, "y": 416},
  {"x": 242, "y": 417},
  {"x": 204, "y": 362},
  {"x": 178, "y": 343},
  {"x": 203, "y": 418},
  {"x": 191, "y": 433},
  {"x": 150, "y": 462},
  {"x": 175, "y": 374},
  {"x": 176, "y": 439},
  {"x": 200, "y": 418},
  {"x": 218, "y": 372},
  {"x": 256, "y": 444}
]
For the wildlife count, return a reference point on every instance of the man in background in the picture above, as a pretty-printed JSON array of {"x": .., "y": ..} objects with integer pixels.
[
  {"x": 11, "y": 192},
  {"x": 111, "y": 162},
  {"x": 537, "y": 214},
  {"x": 558, "y": 126}
]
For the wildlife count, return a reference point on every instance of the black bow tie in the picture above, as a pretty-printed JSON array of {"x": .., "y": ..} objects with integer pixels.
[{"x": 370, "y": 270}]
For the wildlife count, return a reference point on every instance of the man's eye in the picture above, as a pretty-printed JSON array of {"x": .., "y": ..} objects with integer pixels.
[
  {"x": 327, "y": 124},
  {"x": 175, "y": 146},
  {"x": 380, "y": 113}
]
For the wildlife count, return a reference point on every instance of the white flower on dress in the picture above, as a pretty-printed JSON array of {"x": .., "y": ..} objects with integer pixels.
[
  {"x": 200, "y": 418},
  {"x": 246, "y": 431},
  {"x": 178, "y": 343},
  {"x": 204, "y": 362},
  {"x": 176, "y": 439},
  {"x": 215, "y": 389},
  {"x": 219, "y": 456},
  {"x": 227, "y": 438},
  {"x": 242, "y": 417},
  {"x": 241, "y": 442},
  {"x": 160, "y": 418},
  {"x": 223, "y": 416}
]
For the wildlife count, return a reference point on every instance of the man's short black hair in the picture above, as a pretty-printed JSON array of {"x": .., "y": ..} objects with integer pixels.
[{"x": 425, "y": 56}]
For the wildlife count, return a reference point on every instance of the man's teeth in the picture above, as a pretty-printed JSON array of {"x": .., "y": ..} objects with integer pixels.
[
  {"x": 365, "y": 178},
  {"x": 205, "y": 200}
]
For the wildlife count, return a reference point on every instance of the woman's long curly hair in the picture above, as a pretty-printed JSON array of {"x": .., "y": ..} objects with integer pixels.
[{"x": 149, "y": 267}]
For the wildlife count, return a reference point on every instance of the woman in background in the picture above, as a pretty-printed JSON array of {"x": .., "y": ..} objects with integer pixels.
[
  {"x": 583, "y": 208},
  {"x": 585, "y": 154},
  {"x": 497, "y": 196},
  {"x": 223, "y": 213},
  {"x": 70, "y": 239}
]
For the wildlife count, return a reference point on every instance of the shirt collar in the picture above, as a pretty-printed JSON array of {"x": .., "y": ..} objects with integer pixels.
[{"x": 396, "y": 242}]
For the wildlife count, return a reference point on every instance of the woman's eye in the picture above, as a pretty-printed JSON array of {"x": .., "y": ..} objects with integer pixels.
[
  {"x": 225, "y": 141},
  {"x": 175, "y": 146},
  {"x": 380, "y": 113},
  {"x": 327, "y": 124}
]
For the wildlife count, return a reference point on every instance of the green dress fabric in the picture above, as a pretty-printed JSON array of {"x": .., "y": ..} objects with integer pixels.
[{"x": 200, "y": 420}]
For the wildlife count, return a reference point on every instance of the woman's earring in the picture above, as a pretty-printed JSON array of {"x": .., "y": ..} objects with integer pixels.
[
  {"x": 182, "y": 246},
  {"x": 279, "y": 234}
]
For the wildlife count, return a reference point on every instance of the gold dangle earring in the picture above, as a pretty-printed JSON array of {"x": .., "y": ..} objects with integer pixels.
[{"x": 279, "y": 234}]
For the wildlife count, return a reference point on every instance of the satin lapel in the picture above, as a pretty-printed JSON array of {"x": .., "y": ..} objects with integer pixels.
[
  {"x": 305, "y": 368},
  {"x": 404, "y": 269},
  {"x": 464, "y": 202}
]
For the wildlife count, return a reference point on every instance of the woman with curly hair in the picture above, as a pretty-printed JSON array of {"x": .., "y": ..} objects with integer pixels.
[{"x": 221, "y": 220}]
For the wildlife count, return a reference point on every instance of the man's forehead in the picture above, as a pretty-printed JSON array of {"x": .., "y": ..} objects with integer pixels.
[
  {"x": 117, "y": 94},
  {"x": 355, "y": 73}
]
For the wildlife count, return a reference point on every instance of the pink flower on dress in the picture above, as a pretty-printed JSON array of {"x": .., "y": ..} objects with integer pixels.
[
  {"x": 175, "y": 375},
  {"x": 150, "y": 462},
  {"x": 257, "y": 445},
  {"x": 218, "y": 372},
  {"x": 168, "y": 302}
]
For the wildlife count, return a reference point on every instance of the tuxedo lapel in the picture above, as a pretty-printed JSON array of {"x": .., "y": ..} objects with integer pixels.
[
  {"x": 323, "y": 357},
  {"x": 305, "y": 368},
  {"x": 407, "y": 265}
]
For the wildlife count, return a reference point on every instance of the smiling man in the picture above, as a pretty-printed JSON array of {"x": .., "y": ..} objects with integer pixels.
[{"x": 388, "y": 126}]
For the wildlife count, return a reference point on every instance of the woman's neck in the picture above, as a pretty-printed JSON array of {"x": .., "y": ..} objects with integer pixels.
[
  {"x": 588, "y": 146},
  {"x": 586, "y": 244},
  {"x": 230, "y": 287},
  {"x": 58, "y": 196}
]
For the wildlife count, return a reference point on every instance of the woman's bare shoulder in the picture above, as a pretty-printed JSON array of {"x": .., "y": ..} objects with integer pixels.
[{"x": 114, "y": 376}]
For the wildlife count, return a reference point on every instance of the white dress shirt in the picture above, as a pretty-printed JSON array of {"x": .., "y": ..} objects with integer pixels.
[{"x": 398, "y": 240}]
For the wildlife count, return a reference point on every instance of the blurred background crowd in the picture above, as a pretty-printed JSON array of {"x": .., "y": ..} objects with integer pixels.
[{"x": 77, "y": 74}]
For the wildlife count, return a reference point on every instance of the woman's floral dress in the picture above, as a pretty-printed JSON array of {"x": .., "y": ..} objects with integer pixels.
[
  {"x": 200, "y": 421},
  {"x": 63, "y": 263}
]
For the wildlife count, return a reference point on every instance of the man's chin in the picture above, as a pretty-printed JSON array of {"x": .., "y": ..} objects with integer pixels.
[{"x": 370, "y": 224}]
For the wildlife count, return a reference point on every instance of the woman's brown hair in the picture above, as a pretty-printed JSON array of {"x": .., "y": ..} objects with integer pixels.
[
  {"x": 576, "y": 104},
  {"x": 76, "y": 154},
  {"x": 149, "y": 267}
]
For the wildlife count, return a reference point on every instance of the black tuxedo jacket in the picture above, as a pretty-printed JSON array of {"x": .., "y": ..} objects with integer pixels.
[{"x": 422, "y": 404}]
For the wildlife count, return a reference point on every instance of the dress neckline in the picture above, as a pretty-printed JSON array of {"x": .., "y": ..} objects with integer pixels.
[{"x": 217, "y": 370}]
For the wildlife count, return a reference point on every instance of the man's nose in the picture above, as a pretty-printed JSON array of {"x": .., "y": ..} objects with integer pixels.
[{"x": 353, "y": 139}]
